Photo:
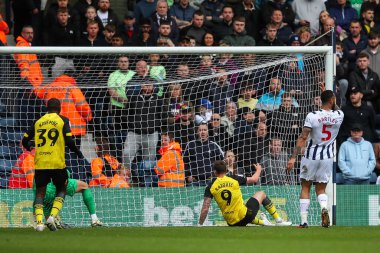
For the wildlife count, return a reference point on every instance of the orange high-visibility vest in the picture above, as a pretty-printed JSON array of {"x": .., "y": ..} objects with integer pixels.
[
  {"x": 118, "y": 182},
  {"x": 170, "y": 168},
  {"x": 28, "y": 64},
  {"x": 4, "y": 29},
  {"x": 97, "y": 165},
  {"x": 23, "y": 171},
  {"x": 73, "y": 103}
]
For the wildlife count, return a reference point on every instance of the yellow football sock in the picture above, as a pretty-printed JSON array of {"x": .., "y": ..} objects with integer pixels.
[
  {"x": 39, "y": 212},
  {"x": 272, "y": 210},
  {"x": 57, "y": 206},
  {"x": 258, "y": 221}
]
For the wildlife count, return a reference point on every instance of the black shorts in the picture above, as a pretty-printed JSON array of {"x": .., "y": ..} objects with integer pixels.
[
  {"x": 58, "y": 176},
  {"x": 253, "y": 207}
]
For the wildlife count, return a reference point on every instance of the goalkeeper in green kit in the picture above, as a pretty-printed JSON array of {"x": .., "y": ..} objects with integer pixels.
[{"x": 73, "y": 186}]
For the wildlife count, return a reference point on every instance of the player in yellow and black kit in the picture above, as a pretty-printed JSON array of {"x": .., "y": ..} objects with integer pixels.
[
  {"x": 228, "y": 196},
  {"x": 51, "y": 133}
]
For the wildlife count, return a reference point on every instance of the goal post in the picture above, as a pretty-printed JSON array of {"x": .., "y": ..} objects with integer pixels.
[{"x": 123, "y": 116}]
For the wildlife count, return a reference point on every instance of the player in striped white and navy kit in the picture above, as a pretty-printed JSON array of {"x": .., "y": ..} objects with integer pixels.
[{"x": 317, "y": 137}]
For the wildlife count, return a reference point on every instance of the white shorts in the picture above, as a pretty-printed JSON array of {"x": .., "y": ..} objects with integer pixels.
[{"x": 316, "y": 170}]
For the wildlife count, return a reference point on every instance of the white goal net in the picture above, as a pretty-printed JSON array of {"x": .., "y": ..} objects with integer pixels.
[{"x": 241, "y": 105}]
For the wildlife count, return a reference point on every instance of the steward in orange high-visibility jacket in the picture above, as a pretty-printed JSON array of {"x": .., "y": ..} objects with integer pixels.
[
  {"x": 121, "y": 179},
  {"x": 170, "y": 168},
  {"x": 23, "y": 171},
  {"x": 106, "y": 164},
  {"x": 28, "y": 63},
  {"x": 4, "y": 30},
  {"x": 73, "y": 103}
]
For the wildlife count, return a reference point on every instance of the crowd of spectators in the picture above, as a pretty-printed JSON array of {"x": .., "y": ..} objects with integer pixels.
[{"x": 244, "y": 117}]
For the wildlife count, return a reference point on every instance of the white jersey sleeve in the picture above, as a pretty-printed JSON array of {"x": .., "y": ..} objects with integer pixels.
[{"x": 324, "y": 127}]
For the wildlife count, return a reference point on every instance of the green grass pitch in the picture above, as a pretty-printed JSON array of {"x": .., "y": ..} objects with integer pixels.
[{"x": 193, "y": 239}]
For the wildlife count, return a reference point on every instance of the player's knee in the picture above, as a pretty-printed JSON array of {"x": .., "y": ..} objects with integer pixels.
[{"x": 61, "y": 194}]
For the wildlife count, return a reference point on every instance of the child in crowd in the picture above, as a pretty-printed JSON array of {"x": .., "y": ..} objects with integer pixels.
[{"x": 204, "y": 112}]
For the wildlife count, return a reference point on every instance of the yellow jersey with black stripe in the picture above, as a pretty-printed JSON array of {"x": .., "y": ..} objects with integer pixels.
[
  {"x": 49, "y": 139},
  {"x": 228, "y": 196}
]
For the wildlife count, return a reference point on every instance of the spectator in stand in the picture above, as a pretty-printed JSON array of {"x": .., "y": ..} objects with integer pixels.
[
  {"x": 287, "y": 122},
  {"x": 170, "y": 167},
  {"x": 217, "y": 132},
  {"x": 117, "y": 87},
  {"x": 274, "y": 165},
  {"x": 144, "y": 9},
  {"x": 323, "y": 16},
  {"x": 156, "y": 70},
  {"x": 373, "y": 51},
  {"x": 231, "y": 164},
  {"x": 227, "y": 62},
  {"x": 51, "y": 18},
  {"x": 354, "y": 43},
  {"x": 108, "y": 32},
  {"x": 165, "y": 36},
  {"x": 368, "y": 23},
  {"x": 307, "y": 13},
  {"x": 89, "y": 16},
  {"x": 4, "y": 29},
  {"x": 284, "y": 31},
  {"x": 204, "y": 113},
  {"x": 182, "y": 12},
  {"x": 76, "y": 109},
  {"x": 93, "y": 38},
  {"x": 141, "y": 72},
  {"x": 282, "y": 5},
  {"x": 375, "y": 5},
  {"x": 184, "y": 127},
  {"x": 199, "y": 156},
  {"x": 253, "y": 147},
  {"x": 208, "y": 40},
  {"x": 271, "y": 100},
  {"x": 82, "y": 6},
  {"x": 162, "y": 14},
  {"x": 173, "y": 103},
  {"x": 341, "y": 72},
  {"x": 106, "y": 14},
  {"x": 229, "y": 118},
  {"x": 377, "y": 157},
  {"x": 343, "y": 13},
  {"x": 244, "y": 127},
  {"x": 117, "y": 40},
  {"x": 247, "y": 98},
  {"x": 222, "y": 27},
  {"x": 367, "y": 80},
  {"x": 145, "y": 37},
  {"x": 27, "y": 13},
  {"x": 239, "y": 36},
  {"x": 246, "y": 8},
  {"x": 197, "y": 28},
  {"x": 270, "y": 37},
  {"x": 220, "y": 91},
  {"x": 144, "y": 116},
  {"x": 357, "y": 112},
  {"x": 356, "y": 158},
  {"x": 305, "y": 35},
  {"x": 325, "y": 40},
  {"x": 62, "y": 32},
  {"x": 128, "y": 29},
  {"x": 212, "y": 9}
]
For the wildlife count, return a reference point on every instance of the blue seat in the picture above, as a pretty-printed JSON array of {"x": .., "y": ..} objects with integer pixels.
[
  {"x": 373, "y": 178},
  {"x": 147, "y": 171},
  {"x": 8, "y": 122},
  {"x": 10, "y": 153},
  {"x": 11, "y": 138},
  {"x": 339, "y": 178},
  {"x": 6, "y": 167},
  {"x": 377, "y": 125},
  {"x": 3, "y": 182}
]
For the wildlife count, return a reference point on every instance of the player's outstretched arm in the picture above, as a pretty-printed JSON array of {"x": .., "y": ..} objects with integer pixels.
[
  {"x": 204, "y": 210},
  {"x": 255, "y": 177},
  {"x": 301, "y": 141}
]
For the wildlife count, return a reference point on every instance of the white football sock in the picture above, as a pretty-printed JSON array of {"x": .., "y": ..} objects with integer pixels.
[
  {"x": 322, "y": 199},
  {"x": 304, "y": 208}
]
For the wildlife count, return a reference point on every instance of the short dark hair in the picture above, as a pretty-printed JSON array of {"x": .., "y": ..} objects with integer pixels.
[
  {"x": 54, "y": 105},
  {"x": 326, "y": 96},
  {"x": 219, "y": 166},
  {"x": 363, "y": 55},
  {"x": 169, "y": 134}
]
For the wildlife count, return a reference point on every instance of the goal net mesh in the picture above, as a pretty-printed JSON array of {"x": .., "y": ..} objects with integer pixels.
[{"x": 241, "y": 108}]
